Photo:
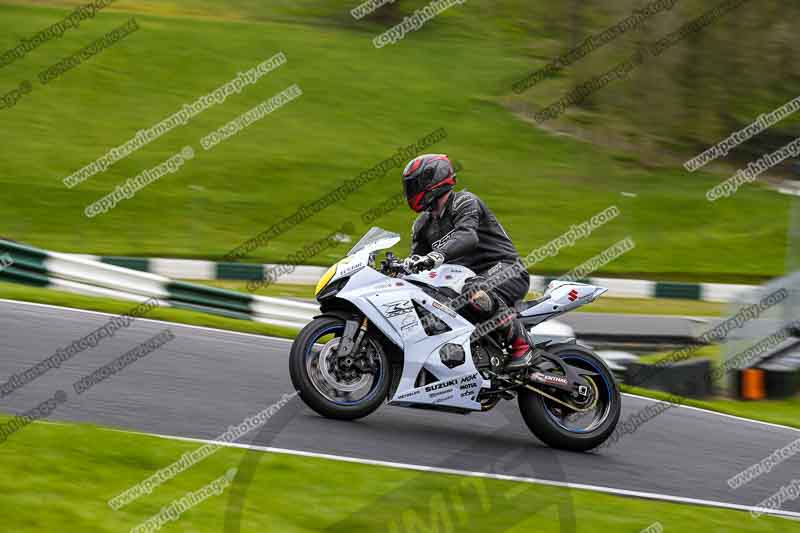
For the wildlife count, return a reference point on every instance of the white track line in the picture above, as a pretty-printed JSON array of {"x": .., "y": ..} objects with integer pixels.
[
  {"x": 104, "y": 314},
  {"x": 726, "y": 415},
  {"x": 262, "y": 337},
  {"x": 485, "y": 475},
  {"x": 433, "y": 469}
]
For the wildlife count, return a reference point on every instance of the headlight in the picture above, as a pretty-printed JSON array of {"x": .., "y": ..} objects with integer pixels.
[
  {"x": 332, "y": 289},
  {"x": 325, "y": 278}
]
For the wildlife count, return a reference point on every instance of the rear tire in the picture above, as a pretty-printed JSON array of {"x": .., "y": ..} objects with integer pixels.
[
  {"x": 302, "y": 350},
  {"x": 543, "y": 423}
]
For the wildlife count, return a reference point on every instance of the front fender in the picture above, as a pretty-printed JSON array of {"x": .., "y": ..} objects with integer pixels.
[
  {"x": 339, "y": 308},
  {"x": 344, "y": 314}
]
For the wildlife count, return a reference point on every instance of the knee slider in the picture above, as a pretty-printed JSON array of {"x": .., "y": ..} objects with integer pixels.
[{"x": 481, "y": 302}]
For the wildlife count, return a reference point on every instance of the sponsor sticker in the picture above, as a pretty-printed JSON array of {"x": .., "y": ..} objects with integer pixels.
[
  {"x": 443, "y": 308},
  {"x": 441, "y": 385},
  {"x": 400, "y": 307},
  {"x": 546, "y": 378},
  {"x": 408, "y": 395},
  {"x": 409, "y": 324}
]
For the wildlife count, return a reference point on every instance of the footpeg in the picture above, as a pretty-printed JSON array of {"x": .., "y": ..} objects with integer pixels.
[{"x": 520, "y": 363}]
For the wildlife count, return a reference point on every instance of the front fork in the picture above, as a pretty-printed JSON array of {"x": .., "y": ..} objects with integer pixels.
[
  {"x": 351, "y": 341},
  {"x": 352, "y": 337}
]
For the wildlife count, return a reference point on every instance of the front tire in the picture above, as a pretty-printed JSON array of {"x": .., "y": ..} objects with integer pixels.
[
  {"x": 319, "y": 384},
  {"x": 549, "y": 421}
]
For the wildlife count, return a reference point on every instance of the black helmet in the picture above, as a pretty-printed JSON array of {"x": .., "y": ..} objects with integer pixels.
[{"x": 426, "y": 178}]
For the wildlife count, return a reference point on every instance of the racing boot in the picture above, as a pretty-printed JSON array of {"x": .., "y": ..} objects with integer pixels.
[
  {"x": 518, "y": 347},
  {"x": 509, "y": 330}
]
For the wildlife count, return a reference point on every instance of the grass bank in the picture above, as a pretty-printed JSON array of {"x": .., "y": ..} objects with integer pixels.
[
  {"x": 59, "y": 477},
  {"x": 358, "y": 105}
]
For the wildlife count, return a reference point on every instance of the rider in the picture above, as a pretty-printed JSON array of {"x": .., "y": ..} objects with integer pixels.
[{"x": 458, "y": 228}]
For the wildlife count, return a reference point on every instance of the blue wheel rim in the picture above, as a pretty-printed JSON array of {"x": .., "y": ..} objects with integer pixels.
[{"x": 606, "y": 394}]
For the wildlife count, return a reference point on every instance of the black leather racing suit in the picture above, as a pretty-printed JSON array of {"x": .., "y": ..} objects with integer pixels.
[{"x": 468, "y": 234}]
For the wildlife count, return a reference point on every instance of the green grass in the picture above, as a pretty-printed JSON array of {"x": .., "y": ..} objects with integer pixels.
[
  {"x": 785, "y": 412},
  {"x": 108, "y": 305},
  {"x": 655, "y": 306},
  {"x": 58, "y": 477},
  {"x": 359, "y": 105},
  {"x": 712, "y": 352}
]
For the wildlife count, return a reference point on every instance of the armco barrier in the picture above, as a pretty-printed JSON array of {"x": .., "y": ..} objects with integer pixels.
[
  {"x": 85, "y": 275},
  {"x": 306, "y": 274}
]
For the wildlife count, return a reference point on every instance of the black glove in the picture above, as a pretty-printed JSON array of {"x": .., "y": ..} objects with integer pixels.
[{"x": 417, "y": 263}]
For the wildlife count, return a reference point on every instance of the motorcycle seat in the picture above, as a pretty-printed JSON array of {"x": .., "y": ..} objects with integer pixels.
[{"x": 524, "y": 306}]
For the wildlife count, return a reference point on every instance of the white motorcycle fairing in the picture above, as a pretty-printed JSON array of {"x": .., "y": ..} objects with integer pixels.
[
  {"x": 559, "y": 298},
  {"x": 446, "y": 276},
  {"x": 394, "y": 305}
]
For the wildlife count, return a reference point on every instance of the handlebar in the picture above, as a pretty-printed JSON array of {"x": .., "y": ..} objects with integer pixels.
[{"x": 391, "y": 266}]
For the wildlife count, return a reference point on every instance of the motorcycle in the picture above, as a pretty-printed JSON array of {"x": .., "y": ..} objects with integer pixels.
[{"x": 385, "y": 333}]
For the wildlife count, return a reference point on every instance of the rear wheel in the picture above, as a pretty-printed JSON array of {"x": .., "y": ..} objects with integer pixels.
[
  {"x": 338, "y": 387},
  {"x": 561, "y": 427}
]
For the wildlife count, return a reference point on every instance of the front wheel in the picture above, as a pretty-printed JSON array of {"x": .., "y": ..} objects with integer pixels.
[
  {"x": 345, "y": 388},
  {"x": 560, "y": 427}
]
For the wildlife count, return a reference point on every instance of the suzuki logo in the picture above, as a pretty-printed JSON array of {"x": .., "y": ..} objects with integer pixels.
[{"x": 573, "y": 295}]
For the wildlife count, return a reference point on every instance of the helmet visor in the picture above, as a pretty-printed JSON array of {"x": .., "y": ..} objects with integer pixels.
[{"x": 414, "y": 191}]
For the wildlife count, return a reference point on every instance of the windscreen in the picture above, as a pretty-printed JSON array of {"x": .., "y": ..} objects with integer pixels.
[{"x": 373, "y": 238}]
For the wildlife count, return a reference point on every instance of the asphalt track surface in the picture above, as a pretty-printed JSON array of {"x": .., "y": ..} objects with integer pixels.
[{"x": 206, "y": 380}]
